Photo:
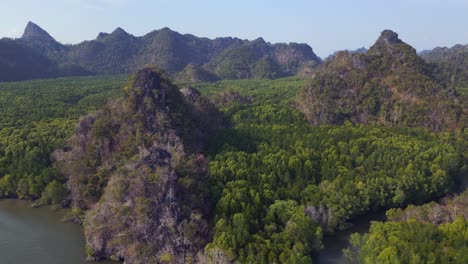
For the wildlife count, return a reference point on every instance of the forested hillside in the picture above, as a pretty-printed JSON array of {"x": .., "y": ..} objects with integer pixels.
[
  {"x": 389, "y": 85},
  {"x": 36, "y": 118},
  {"x": 450, "y": 64},
  {"x": 121, "y": 53},
  {"x": 281, "y": 183},
  {"x": 195, "y": 169},
  {"x": 275, "y": 183},
  {"x": 19, "y": 62},
  {"x": 135, "y": 168},
  {"x": 430, "y": 233}
]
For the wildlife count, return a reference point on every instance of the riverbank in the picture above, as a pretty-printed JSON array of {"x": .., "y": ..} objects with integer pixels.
[
  {"x": 39, "y": 236},
  {"x": 332, "y": 253}
]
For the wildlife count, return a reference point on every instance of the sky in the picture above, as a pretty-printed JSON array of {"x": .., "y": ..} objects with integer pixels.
[{"x": 327, "y": 26}]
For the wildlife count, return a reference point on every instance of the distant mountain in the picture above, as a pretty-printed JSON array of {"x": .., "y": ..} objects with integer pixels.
[
  {"x": 360, "y": 50},
  {"x": 259, "y": 59},
  {"x": 443, "y": 53},
  {"x": 19, "y": 62},
  {"x": 120, "y": 52},
  {"x": 388, "y": 85},
  {"x": 33, "y": 32},
  {"x": 193, "y": 73},
  {"x": 450, "y": 64}
]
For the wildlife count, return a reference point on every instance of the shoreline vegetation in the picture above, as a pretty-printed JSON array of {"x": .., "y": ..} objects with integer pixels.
[{"x": 249, "y": 171}]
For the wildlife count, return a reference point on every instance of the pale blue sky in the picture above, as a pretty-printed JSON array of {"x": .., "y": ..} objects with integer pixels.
[{"x": 325, "y": 25}]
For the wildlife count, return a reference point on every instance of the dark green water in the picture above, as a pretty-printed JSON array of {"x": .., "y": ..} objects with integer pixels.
[
  {"x": 334, "y": 245},
  {"x": 37, "y": 235}
]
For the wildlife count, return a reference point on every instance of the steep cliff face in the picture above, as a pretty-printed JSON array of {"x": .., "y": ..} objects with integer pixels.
[
  {"x": 136, "y": 169},
  {"x": 34, "y": 32},
  {"x": 42, "y": 42}
]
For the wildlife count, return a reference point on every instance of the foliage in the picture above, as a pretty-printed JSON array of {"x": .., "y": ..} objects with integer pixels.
[
  {"x": 429, "y": 233},
  {"x": 54, "y": 193},
  {"x": 36, "y": 118},
  {"x": 135, "y": 168},
  {"x": 412, "y": 242},
  {"x": 450, "y": 64},
  {"x": 18, "y": 62},
  {"x": 245, "y": 62},
  {"x": 258, "y": 59},
  {"x": 270, "y": 164},
  {"x": 446, "y": 211},
  {"x": 194, "y": 74},
  {"x": 388, "y": 85},
  {"x": 121, "y": 53},
  {"x": 278, "y": 183}
]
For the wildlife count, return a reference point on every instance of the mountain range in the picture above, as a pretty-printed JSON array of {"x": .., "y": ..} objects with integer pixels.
[
  {"x": 187, "y": 58},
  {"x": 38, "y": 55},
  {"x": 450, "y": 64}
]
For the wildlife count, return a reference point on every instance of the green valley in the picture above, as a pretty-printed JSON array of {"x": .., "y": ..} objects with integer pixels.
[
  {"x": 169, "y": 148},
  {"x": 277, "y": 184}
]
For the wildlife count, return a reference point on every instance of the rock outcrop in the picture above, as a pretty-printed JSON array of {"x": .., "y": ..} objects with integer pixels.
[
  {"x": 389, "y": 85},
  {"x": 33, "y": 32},
  {"x": 136, "y": 170}
]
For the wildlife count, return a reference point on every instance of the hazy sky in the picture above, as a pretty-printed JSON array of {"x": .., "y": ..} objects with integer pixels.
[{"x": 326, "y": 25}]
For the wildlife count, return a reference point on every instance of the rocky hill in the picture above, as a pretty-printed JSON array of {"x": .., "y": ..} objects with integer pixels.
[
  {"x": 388, "y": 85},
  {"x": 259, "y": 59},
  {"x": 450, "y": 64},
  {"x": 136, "y": 171},
  {"x": 193, "y": 73},
  {"x": 120, "y": 52}
]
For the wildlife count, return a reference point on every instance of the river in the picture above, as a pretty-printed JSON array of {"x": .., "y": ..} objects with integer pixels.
[
  {"x": 334, "y": 245},
  {"x": 38, "y": 236}
]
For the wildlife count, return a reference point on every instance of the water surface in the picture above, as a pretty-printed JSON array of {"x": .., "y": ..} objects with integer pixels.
[
  {"x": 332, "y": 253},
  {"x": 38, "y": 236}
]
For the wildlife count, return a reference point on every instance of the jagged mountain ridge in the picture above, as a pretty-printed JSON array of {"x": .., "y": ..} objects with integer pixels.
[
  {"x": 443, "y": 53},
  {"x": 388, "y": 85},
  {"x": 120, "y": 52},
  {"x": 450, "y": 64}
]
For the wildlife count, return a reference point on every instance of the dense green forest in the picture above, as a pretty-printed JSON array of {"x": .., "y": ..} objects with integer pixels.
[
  {"x": 272, "y": 170},
  {"x": 413, "y": 242},
  {"x": 430, "y": 233},
  {"x": 277, "y": 183},
  {"x": 36, "y": 118}
]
